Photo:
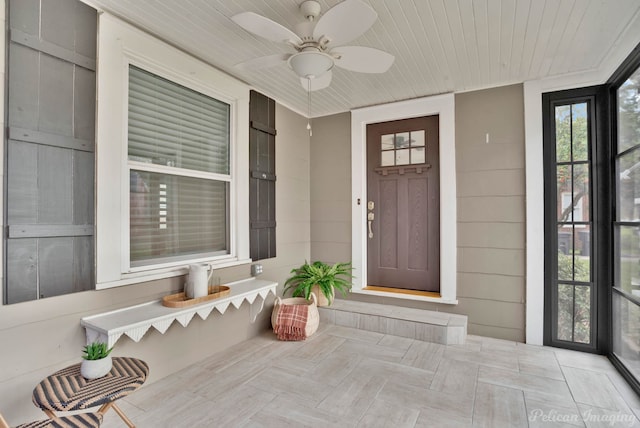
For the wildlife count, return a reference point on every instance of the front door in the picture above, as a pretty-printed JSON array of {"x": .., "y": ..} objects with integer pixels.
[{"x": 403, "y": 204}]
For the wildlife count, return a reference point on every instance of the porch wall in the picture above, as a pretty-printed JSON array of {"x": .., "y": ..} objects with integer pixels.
[
  {"x": 40, "y": 337},
  {"x": 491, "y": 208}
]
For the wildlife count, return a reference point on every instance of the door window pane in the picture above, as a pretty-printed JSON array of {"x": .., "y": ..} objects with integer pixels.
[
  {"x": 404, "y": 148},
  {"x": 402, "y": 157},
  {"x": 417, "y": 155},
  {"x": 417, "y": 138},
  {"x": 402, "y": 140},
  {"x": 388, "y": 158},
  {"x": 387, "y": 142}
]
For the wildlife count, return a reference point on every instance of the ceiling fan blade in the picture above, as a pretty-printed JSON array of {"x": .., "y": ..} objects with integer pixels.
[
  {"x": 362, "y": 59},
  {"x": 317, "y": 83},
  {"x": 263, "y": 62},
  {"x": 345, "y": 22},
  {"x": 264, "y": 27}
]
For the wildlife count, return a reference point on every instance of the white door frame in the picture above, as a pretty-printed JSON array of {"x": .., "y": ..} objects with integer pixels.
[{"x": 444, "y": 106}]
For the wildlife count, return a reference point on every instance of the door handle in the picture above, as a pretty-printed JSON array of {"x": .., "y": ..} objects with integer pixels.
[{"x": 370, "y": 217}]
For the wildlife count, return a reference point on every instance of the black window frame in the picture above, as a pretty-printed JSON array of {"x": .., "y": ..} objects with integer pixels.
[
  {"x": 622, "y": 73},
  {"x": 600, "y": 216}
]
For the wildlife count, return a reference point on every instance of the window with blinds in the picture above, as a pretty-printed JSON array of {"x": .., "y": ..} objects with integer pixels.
[{"x": 178, "y": 151}]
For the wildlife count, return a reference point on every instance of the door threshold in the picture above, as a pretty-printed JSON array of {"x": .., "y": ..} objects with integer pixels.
[
  {"x": 431, "y": 294},
  {"x": 424, "y": 296}
]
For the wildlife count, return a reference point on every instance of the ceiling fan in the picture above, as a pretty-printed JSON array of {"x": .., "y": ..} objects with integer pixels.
[{"x": 319, "y": 43}]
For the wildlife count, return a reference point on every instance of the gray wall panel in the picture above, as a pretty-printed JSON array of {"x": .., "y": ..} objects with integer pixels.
[
  {"x": 56, "y": 96},
  {"x": 22, "y": 274},
  {"x": 83, "y": 263},
  {"x": 25, "y": 15},
  {"x": 49, "y": 230},
  {"x": 23, "y": 86},
  {"x": 85, "y": 24},
  {"x": 49, "y": 139},
  {"x": 22, "y": 183},
  {"x": 58, "y": 22},
  {"x": 49, "y": 48},
  {"x": 84, "y": 104},
  {"x": 55, "y": 259},
  {"x": 83, "y": 172},
  {"x": 54, "y": 185}
]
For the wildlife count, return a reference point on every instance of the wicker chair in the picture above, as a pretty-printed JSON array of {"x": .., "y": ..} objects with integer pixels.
[{"x": 82, "y": 420}]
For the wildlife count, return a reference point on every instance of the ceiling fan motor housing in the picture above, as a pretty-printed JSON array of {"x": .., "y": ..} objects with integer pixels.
[{"x": 310, "y": 9}]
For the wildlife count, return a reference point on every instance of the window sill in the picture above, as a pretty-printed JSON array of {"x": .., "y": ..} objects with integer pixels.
[
  {"x": 145, "y": 276},
  {"x": 135, "y": 321}
]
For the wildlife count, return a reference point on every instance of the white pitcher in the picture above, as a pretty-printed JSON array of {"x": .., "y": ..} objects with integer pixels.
[{"x": 197, "y": 282}]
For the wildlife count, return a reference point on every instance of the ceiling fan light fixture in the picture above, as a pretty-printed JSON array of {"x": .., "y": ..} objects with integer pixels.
[{"x": 310, "y": 65}]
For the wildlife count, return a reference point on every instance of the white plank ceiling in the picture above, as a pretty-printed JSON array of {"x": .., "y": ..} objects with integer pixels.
[{"x": 440, "y": 45}]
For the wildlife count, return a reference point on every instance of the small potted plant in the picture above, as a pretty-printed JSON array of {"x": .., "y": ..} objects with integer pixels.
[
  {"x": 320, "y": 279},
  {"x": 96, "y": 360}
]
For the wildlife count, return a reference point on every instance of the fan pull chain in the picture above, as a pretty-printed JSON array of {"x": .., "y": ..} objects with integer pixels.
[{"x": 309, "y": 106}]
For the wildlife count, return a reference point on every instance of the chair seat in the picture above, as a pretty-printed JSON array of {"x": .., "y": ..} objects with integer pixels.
[{"x": 84, "y": 420}]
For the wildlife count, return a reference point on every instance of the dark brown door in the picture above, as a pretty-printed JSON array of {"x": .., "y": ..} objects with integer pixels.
[{"x": 403, "y": 212}]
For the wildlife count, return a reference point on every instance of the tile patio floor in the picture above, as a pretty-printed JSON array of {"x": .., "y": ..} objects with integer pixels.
[{"x": 343, "y": 377}]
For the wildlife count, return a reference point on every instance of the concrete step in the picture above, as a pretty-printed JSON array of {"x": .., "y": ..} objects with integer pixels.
[{"x": 419, "y": 324}]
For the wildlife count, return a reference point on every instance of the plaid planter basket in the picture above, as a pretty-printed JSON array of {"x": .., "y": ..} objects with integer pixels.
[{"x": 296, "y": 318}]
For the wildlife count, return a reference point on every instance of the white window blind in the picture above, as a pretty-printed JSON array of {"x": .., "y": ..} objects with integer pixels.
[
  {"x": 175, "y": 133},
  {"x": 172, "y": 125}
]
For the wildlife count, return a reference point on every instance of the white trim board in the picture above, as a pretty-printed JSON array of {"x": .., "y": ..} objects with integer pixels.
[
  {"x": 534, "y": 175},
  {"x": 444, "y": 106}
]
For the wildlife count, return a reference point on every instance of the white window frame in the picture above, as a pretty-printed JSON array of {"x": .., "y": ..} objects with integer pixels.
[
  {"x": 161, "y": 169},
  {"x": 121, "y": 45}
]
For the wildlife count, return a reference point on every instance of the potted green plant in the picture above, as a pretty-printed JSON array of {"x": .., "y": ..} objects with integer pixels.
[
  {"x": 320, "y": 279},
  {"x": 96, "y": 361}
]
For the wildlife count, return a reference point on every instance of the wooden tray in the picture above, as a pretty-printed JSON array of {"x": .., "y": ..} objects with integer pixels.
[{"x": 179, "y": 300}]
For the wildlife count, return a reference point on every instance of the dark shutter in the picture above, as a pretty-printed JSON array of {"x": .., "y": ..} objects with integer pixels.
[
  {"x": 50, "y": 149},
  {"x": 262, "y": 176}
]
